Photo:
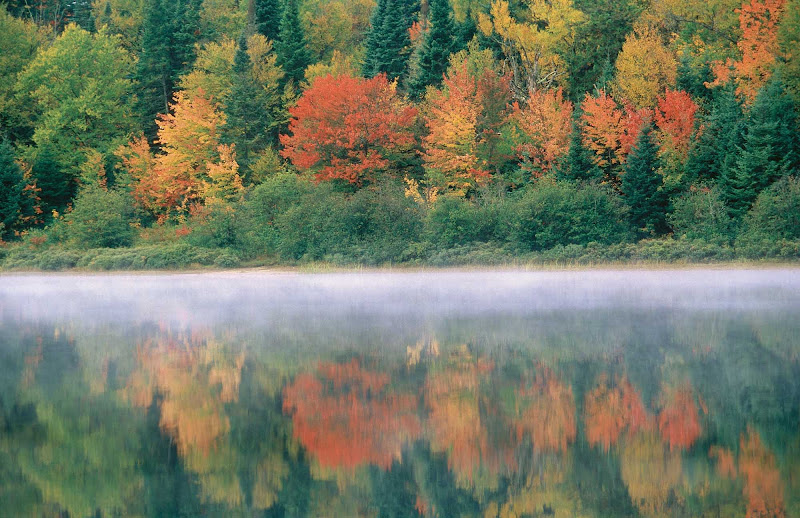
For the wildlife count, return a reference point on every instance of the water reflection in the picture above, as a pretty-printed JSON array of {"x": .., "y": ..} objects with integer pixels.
[{"x": 593, "y": 412}]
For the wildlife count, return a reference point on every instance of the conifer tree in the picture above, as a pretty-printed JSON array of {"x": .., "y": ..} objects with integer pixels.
[
  {"x": 717, "y": 145},
  {"x": 82, "y": 14},
  {"x": 105, "y": 17},
  {"x": 769, "y": 149},
  {"x": 247, "y": 121},
  {"x": 267, "y": 18},
  {"x": 11, "y": 185},
  {"x": 437, "y": 46},
  {"x": 291, "y": 47},
  {"x": 169, "y": 32},
  {"x": 641, "y": 185},
  {"x": 389, "y": 42},
  {"x": 578, "y": 164}
]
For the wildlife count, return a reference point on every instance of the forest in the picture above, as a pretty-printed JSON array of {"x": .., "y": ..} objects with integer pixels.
[{"x": 146, "y": 134}]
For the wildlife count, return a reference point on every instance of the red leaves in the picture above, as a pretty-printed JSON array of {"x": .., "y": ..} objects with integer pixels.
[
  {"x": 678, "y": 421},
  {"x": 346, "y": 127},
  {"x": 675, "y": 118},
  {"x": 550, "y": 415},
  {"x": 611, "y": 410}
]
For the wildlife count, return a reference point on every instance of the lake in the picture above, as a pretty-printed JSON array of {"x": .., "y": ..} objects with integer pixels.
[{"x": 441, "y": 393}]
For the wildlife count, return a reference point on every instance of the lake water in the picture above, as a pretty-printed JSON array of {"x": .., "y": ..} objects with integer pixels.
[{"x": 475, "y": 394}]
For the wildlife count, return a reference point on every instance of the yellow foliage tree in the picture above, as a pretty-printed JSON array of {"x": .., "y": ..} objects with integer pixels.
[
  {"x": 645, "y": 69},
  {"x": 531, "y": 46}
]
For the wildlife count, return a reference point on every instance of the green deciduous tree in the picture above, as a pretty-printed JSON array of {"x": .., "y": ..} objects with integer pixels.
[
  {"x": 11, "y": 185},
  {"x": 83, "y": 100}
]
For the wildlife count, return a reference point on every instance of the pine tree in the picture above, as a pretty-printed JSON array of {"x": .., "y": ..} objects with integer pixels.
[
  {"x": 11, "y": 185},
  {"x": 247, "y": 123},
  {"x": 291, "y": 47},
  {"x": 641, "y": 185},
  {"x": 578, "y": 165},
  {"x": 439, "y": 43},
  {"x": 82, "y": 14},
  {"x": 374, "y": 39},
  {"x": 267, "y": 18},
  {"x": 769, "y": 149}
]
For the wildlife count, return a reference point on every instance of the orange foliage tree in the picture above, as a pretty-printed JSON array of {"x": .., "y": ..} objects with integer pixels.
[
  {"x": 544, "y": 124},
  {"x": 347, "y": 416},
  {"x": 463, "y": 120},
  {"x": 349, "y": 128},
  {"x": 675, "y": 118},
  {"x": 759, "y": 46},
  {"x": 608, "y": 411},
  {"x": 549, "y": 413},
  {"x": 193, "y": 168},
  {"x": 679, "y": 420}
]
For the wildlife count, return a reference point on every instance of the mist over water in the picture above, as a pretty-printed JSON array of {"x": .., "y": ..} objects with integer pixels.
[{"x": 440, "y": 393}]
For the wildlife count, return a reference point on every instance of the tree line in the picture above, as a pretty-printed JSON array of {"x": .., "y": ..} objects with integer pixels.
[{"x": 521, "y": 126}]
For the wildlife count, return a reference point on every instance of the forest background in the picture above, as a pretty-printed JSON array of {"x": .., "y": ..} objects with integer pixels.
[{"x": 166, "y": 134}]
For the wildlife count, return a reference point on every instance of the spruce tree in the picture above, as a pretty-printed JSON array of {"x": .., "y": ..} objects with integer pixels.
[
  {"x": 105, "y": 18},
  {"x": 247, "y": 123},
  {"x": 291, "y": 47},
  {"x": 11, "y": 185},
  {"x": 267, "y": 18},
  {"x": 82, "y": 14},
  {"x": 716, "y": 149},
  {"x": 578, "y": 165},
  {"x": 641, "y": 186},
  {"x": 389, "y": 43},
  {"x": 769, "y": 148},
  {"x": 169, "y": 32},
  {"x": 437, "y": 46}
]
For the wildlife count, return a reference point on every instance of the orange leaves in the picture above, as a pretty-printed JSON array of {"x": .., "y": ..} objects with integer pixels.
[
  {"x": 346, "y": 128},
  {"x": 758, "y": 20},
  {"x": 194, "y": 167},
  {"x": 763, "y": 488},
  {"x": 611, "y": 410},
  {"x": 346, "y": 417},
  {"x": 456, "y": 118},
  {"x": 678, "y": 421},
  {"x": 675, "y": 118},
  {"x": 604, "y": 125},
  {"x": 550, "y": 414},
  {"x": 545, "y": 123}
]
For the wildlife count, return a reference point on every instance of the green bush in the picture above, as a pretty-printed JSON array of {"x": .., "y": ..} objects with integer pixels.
[
  {"x": 101, "y": 219},
  {"x": 701, "y": 215},
  {"x": 454, "y": 221},
  {"x": 546, "y": 215}
]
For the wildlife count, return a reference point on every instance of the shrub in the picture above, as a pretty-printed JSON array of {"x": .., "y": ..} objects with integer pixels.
[
  {"x": 701, "y": 214},
  {"x": 101, "y": 219}
]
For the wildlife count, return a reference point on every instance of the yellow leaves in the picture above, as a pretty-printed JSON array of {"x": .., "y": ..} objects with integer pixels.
[
  {"x": 645, "y": 69},
  {"x": 531, "y": 45}
]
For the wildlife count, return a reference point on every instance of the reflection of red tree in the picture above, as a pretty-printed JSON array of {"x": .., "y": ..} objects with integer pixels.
[
  {"x": 610, "y": 410},
  {"x": 762, "y": 480},
  {"x": 678, "y": 421},
  {"x": 346, "y": 416},
  {"x": 549, "y": 416}
]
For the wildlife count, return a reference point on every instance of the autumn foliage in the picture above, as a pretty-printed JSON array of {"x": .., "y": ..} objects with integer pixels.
[
  {"x": 348, "y": 128},
  {"x": 544, "y": 123},
  {"x": 548, "y": 415},
  {"x": 763, "y": 488},
  {"x": 679, "y": 420},
  {"x": 759, "y": 21},
  {"x": 675, "y": 118}
]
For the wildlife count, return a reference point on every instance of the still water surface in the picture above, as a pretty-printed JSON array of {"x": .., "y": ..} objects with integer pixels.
[{"x": 476, "y": 394}]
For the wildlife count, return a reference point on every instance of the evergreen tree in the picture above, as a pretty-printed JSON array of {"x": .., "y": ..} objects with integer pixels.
[
  {"x": 105, "y": 18},
  {"x": 267, "y": 18},
  {"x": 389, "y": 43},
  {"x": 169, "y": 32},
  {"x": 82, "y": 14},
  {"x": 578, "y": 164},
  {"x": 374, "y": 40},
  {"x": 437, "y": 46},
  {"x": 291, "y": 47},
  {"x": 247, "y": 121},
  {"x": 11, "y": 185},
  {"x": 717, "y": 146},
  {"x": 641, "y": 185},
  {"x": 769, "y": 149}
]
